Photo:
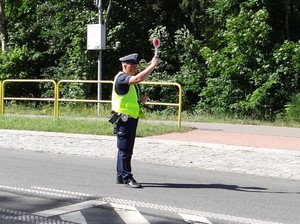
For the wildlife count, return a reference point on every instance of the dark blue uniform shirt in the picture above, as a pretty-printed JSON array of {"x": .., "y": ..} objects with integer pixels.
[{"x": 122, "y": 84}]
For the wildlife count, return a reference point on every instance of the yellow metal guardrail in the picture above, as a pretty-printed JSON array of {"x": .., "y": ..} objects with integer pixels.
[
  {"x": 179, "y": 104},
  {"x": 79, "y": 100},
  {"x": 56, "y": 99},
  {"x": 3, "y": 98}
]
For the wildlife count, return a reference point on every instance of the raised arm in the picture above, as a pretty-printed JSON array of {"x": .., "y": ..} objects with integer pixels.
[{"x": 143, "y": 75}]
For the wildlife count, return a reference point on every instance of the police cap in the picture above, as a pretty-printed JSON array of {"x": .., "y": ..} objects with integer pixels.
[{"x": 129, "y": 59}]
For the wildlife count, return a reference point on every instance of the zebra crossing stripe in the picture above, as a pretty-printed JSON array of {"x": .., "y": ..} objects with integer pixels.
[
  {"x": 194, "y": 219},
  {"x": 129, "y": 214},
  {"x": 10, "y": 214},
  {"x": 46, "y": 191},
  {"x": 70, "y": 208},
  {"x": 74, "y": 217}
]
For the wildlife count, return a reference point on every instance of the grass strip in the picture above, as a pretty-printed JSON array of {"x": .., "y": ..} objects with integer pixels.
[{"x": 83, "y": 126}]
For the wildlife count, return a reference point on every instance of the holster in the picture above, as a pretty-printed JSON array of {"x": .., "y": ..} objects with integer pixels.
[{"x": 115, "y": 118}]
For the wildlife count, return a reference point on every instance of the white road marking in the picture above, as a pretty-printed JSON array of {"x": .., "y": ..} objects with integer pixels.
[
  {"x": 129, "y": 214},
  {"x": 74, "y": 217},
  {"x": 209, "y": 215},
  {"x": 61, "y": 191},
  {"x": 101, "y": 201},
  {"x": 70, "y": 208},
  {"x": 43, "y": 192},
  {"x": 10, "y": 214},
  {"x": 194, "y": 219}
]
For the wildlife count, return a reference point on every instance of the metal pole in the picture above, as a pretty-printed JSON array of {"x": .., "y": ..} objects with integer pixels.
[
  {"x": 100, "y": 58},
  {"x": 99, "y": 79}
]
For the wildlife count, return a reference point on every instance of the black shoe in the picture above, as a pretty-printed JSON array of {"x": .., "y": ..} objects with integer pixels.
[
  {"x": 119, "y": 180},
  {"x": 132, "y": 183}
]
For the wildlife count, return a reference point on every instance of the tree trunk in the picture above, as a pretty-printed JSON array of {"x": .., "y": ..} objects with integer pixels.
[
  {"x": 3, "y": 31},
  {"x": 287, "y": 17}
]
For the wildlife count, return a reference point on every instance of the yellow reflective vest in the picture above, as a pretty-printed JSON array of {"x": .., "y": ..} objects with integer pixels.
[{"x": 128, "y": 103}]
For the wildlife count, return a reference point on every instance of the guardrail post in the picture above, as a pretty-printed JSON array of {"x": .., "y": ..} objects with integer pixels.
[
  {"x": 1, "y": 99},
  {"x": 56, "y": 96},
  {"x": 179, "y": 106}
]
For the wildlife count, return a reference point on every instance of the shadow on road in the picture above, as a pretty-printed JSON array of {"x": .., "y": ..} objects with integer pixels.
[{"x": 215, "y": 186}]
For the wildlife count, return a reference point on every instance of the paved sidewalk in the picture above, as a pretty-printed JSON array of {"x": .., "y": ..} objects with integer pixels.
[
  {"x": 208, "y": 147},
  {"x": 241, "y": 135}
]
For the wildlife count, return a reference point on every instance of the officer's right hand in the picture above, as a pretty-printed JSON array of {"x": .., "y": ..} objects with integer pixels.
[{"x": 155, "y": 61}]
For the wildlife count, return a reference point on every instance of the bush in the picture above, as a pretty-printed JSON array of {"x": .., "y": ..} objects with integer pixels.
[{"x": 292, "y": 110}]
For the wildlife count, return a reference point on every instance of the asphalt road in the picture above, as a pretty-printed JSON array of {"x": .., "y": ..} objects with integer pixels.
[{"x": 33, "y": 182}]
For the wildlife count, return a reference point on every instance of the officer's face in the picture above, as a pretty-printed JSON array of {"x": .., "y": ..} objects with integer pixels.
[{"x": 130, "y": 69}]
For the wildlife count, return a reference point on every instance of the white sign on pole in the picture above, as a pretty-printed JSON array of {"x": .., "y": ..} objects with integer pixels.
[{"x": 96, "y": 40}]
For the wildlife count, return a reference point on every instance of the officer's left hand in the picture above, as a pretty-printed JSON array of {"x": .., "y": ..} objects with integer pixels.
[{"x": 144, "y": 99}]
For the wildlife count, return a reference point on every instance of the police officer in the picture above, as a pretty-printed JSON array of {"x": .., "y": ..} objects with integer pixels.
[{"x": 126, "y": 100}]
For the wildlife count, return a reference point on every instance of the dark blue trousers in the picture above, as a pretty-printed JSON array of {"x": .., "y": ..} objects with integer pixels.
[{"x": 126, "y": 133}]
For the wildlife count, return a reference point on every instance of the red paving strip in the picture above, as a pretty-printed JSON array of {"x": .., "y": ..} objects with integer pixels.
[{"x": 230, "y": 138}]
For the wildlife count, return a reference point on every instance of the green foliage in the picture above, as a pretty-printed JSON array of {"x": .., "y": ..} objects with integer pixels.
[
  {"x": 292, "y": 109},
  {"x": 12, "y": 61},
  {"x": 231, "y": 57},
  {"x": 191, "y": 74},
  {"x": 286, "y": 74},
  {"x": 47, "y": 41},
  {"x": 240, "y": 67},
  {"x": 245, "y": 77},
  {"x": 164, "y": 71}
]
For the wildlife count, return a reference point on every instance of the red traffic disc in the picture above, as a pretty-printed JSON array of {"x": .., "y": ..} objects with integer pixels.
[{"x": 156, "y": 42}]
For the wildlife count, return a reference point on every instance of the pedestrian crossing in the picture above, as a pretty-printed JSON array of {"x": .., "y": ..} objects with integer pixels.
[
  {"x": 127, "y": 213},
  {"x": 87, "y": 211},
  {"x": 77, "y": 214},
  {"x": 81, "y": 208}
]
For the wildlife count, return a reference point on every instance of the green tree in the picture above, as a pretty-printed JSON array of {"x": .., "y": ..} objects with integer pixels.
[
  {"x": 130, "y": 22},
  {"x": 236, "y": 70},
  {"x": 48, "y": 40},
  {"x": 3, "y": 30}
]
